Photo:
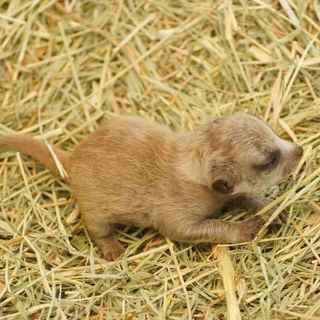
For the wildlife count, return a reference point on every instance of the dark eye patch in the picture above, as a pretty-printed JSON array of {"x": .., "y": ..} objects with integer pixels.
[{"x": 270, "y": 163}]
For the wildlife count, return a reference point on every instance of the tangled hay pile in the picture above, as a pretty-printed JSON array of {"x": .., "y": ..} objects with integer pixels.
[{"x": 67, "y": 65}]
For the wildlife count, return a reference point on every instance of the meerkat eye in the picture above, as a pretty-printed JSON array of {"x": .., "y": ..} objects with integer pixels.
[{"x": 271, "y": 162}]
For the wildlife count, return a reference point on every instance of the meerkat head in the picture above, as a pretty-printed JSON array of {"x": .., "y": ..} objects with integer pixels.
[{"x": 239, "y": 154}]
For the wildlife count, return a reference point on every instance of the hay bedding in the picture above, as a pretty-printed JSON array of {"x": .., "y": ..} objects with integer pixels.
[{"x": 67, "y": 65}]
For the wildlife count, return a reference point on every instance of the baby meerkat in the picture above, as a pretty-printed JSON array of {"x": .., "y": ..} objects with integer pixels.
[{"x": 133, "y": 171}]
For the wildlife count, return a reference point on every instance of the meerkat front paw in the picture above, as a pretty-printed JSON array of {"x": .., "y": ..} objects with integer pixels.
[{"x": 248, "y": 229}]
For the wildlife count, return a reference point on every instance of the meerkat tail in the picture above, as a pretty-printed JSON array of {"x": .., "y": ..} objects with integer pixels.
[{"x": 51, "y": 157}]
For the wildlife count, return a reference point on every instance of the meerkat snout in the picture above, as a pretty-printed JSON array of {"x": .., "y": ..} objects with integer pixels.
[
  {"x": 295, "y": 152},
  {"x": 290, "y": 148}
]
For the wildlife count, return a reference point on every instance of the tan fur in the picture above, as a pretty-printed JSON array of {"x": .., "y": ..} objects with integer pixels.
[{"x": 133, "y": 171}]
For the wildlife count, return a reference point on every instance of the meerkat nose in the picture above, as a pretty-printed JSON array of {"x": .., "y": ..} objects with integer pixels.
[{"x": 298, "y": 151}]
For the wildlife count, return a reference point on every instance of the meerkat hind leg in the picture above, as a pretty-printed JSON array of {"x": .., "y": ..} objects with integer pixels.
[
  {"x": 110, "y": 246},
  {"x": 104, "y": 237}
]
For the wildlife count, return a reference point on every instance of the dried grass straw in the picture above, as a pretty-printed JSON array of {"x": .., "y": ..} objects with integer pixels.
[{"x": 67, "y": 65}]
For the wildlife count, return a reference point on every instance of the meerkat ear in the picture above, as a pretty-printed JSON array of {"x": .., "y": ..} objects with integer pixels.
[{"x": 222, "y": 186}]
